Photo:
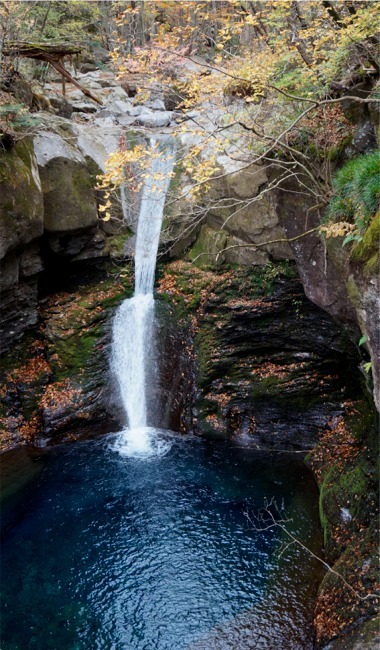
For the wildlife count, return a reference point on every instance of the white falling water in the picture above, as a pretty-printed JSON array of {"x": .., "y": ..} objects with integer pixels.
[{"x": 133, "y": 324}]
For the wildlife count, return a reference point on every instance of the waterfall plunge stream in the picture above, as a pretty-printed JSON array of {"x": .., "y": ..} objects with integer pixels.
[{"x": 133, "y": 324}]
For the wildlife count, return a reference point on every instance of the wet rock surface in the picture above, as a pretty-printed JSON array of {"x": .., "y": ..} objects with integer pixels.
[
  {"x": 272, "y": 367},
  {"x": 56, "y": 384},
  {"x": 280, "y": 367},
  {"x": 332, "y": 279}
]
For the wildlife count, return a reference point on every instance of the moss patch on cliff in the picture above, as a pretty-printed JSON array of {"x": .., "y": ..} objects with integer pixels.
[
  {"x": 116, "y": 243},
  {"x": 74, "y": 324},
  {"x": 345, "y": 464},
  {"x": 366, "y": 252},
  {"x": 20, "y": 196},
  {"x": 53, "y": 377},
  {"x": 207, "y": 252}
]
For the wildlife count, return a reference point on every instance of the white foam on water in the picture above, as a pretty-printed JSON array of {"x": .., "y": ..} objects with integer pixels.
[{"x": 143, "y": 443}]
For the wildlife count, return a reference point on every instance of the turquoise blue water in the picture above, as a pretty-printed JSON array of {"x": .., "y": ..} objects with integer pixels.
[{"x": 105, "y": 552}]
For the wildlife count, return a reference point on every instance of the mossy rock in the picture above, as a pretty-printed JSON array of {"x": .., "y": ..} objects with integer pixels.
[
  {"x": 207, "y": 252},
  {"x": 366, "y": 253},
  {"x": 116, "y": 244},
  {"x": 21, "y": 200},
  {"x": 350, "y": 484}
]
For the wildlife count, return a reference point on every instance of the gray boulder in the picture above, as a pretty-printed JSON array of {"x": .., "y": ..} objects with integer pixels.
[
  {"x": 119, "y": 107},
  {"x": 156, "y": 105},
  {"x": 69, "y": 200},
  {"x": 84, "y": 107},
  {"x": 155, "y": 120},
  {"x": 134, "y": 111},
  {"x": 125, "y": 120}
]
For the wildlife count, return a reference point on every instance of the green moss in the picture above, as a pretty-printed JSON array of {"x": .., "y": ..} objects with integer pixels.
[
  {"x": 93, "y": 170},
  {"x": 19, "y": 186},
  {"x": 337, "y": 152},
  {"x": 268, "y": 386},
  {"x": 75, "y": 353},
  {"x": 176, "y": 179},
  {"x": 366, "y": 252},
  {"x": 324, "y": 514},
  {"x": 83, "y": 327},
  {"x": 207, "y": 342},
  {"x": 263, "y": 277},
  {"x": 368, "y": 632},
  {"x": 351, "y": 483},
  {"x": 353, "y": 291},
  {"x": 116, "y": 243},
  {"x": 363, "y": 424},
  {"x": 209, "y": 244}
]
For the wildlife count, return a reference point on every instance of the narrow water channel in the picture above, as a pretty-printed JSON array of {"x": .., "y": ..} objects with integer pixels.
[{"x": 104, "y": 551}]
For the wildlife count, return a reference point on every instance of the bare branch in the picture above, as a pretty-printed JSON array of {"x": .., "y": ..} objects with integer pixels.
[
  {"x": 268, "y": 243},
  {"x": 266, "y": 520}
]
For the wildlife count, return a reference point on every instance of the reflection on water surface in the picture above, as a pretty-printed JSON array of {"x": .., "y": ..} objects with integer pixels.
[{"x": 103, "y": 551}]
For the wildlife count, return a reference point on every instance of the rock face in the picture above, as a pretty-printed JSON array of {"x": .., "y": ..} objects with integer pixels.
[
  {"x": 332, "y": 278},
  {"x": 21, "y": 206},
  {"x": 56, "y": 384},
  {"x": 21, "y": 224},
  {"x": 238, "y": 224},
  {"x": 69, "y": 201},
  {"x": 48, "y": 212},
  {"x": 277, "y": 372},
  {"x": 47, "y": 209},
  {"x": 273, "y": 367}
]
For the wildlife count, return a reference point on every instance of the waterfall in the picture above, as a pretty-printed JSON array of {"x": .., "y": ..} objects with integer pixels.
[{"x": 133, "y": 323}]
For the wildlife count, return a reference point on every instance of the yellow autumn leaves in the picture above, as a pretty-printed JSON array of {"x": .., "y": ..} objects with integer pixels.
[{"x": 126, "y": 166}]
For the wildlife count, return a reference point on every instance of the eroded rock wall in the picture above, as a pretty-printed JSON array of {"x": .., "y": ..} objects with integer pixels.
[
  {"x": 48, "y": 215},
  {"x": 21, "y": 227},
  {"x": 272, "y": 366}
]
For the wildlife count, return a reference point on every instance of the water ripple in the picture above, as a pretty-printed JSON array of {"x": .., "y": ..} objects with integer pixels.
[{"x": 154, "y": 553}]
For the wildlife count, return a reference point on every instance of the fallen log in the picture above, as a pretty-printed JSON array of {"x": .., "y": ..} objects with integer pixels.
[{"x": 52, "y": 53}]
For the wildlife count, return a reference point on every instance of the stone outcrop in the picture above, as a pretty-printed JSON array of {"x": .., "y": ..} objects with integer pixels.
[
  {"x": 21, "y": 225},
  {"x": 273, "y": 367},
  {"x": 20, "y": 197},
  {"x": 55, "y": 385},
  {"x": 332, "y": 278},
  {"x": 69, "y": 201},
  {"x": 238, "y": 225},
  {"x": 48, "y": 212}
]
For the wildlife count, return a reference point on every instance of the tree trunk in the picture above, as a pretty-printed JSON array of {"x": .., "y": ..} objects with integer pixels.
[
  {"x": 297, "y": 41},
  {"x": 337, "y": 18}
]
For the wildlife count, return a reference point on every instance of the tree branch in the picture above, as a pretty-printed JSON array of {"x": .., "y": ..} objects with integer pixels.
[
  {"x": 266, "y": 520},
  {"x": 283, "y": 240}
]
